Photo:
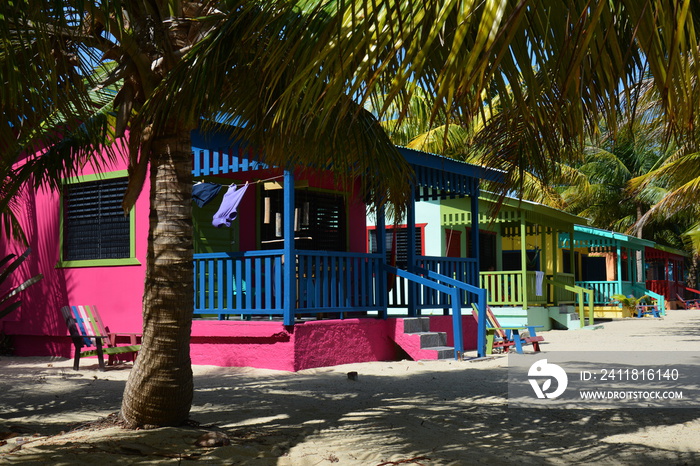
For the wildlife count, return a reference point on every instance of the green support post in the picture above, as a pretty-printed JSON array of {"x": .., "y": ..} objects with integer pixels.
[{"x": 523, "y": 258}]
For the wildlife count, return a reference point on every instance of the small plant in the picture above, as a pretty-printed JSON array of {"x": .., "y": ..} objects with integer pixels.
[
  {"x": 10, "y": 266},
  {"x": 629, "y": 303}
]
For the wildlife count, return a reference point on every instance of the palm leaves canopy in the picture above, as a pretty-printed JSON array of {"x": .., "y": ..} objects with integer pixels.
[{"x": 294, "y": 76}]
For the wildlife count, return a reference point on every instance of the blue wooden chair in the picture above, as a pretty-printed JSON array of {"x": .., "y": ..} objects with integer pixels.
[{"x": 647, "y": 310}]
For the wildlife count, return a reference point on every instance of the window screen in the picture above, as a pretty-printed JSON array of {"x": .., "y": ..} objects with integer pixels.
[
  {"x": 320, "y": 220},
  {"x": 94, "y": 224},
  {"x": 401, "y": 249},
  {"x": 487, "y": 249}
]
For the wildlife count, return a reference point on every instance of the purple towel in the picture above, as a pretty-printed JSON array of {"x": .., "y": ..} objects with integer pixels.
[{"x": 227, "y": 212}]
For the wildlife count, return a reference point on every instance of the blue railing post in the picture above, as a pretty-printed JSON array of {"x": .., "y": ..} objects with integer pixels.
[
  {"x": 481, "y": 324},
  {"x": 457, "y": 323}
]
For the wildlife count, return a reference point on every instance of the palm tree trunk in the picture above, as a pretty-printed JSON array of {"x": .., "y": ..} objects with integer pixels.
[{"x": 160, "y": 387}]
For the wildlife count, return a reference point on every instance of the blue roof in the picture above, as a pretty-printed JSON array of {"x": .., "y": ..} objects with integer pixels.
[{"x": 440, "y": 162}]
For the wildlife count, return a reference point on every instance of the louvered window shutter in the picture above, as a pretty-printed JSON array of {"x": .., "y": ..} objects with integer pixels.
[{"x": 94, "y": 224}]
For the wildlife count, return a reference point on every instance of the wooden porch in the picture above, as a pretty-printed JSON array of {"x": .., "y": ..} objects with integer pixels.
[
  {"x": 295, "y": 283},
  {"x": 526, "y": 267},
  {"x": 625, "y": 257},
  {"x": 665, "y": 271}
]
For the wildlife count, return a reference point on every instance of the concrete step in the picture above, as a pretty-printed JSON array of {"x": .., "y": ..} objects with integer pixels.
[
  {"x": 416, "y": 324},
  {"x": 444, "y": 352},
  {"x": 431, "y": 339}
]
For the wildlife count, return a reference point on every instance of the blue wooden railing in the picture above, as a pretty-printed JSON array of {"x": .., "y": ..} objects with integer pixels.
[
  {"x": 338, "y": 281},
  {"x": 238, "y": 283},
  {"x": 252, "y": 283},
  {"x": 461, "y": 269},
  {"x": 602, "y": 290},
  {"x": 474, "y": 295}
]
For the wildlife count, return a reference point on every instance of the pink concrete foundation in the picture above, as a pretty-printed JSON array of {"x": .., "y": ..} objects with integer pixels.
[{"x": 271, "y": 345}]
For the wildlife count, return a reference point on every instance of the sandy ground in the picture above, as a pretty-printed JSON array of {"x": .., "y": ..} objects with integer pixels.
[{"x": 395, "y": 413}]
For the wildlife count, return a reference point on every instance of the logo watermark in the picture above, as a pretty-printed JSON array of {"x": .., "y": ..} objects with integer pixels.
[
  {"x": 552, "y": 372},
  {"x": 599, "y": 379}
]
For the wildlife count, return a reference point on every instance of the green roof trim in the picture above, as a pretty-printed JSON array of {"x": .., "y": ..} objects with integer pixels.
[{"x": 534, "y": 210}]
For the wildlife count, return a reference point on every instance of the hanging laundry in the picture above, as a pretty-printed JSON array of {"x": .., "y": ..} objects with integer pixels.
[
  {"x": 539, "y": 280},
  {"x": 227, "y": 212},
  {"x": 203, "y": 193}
]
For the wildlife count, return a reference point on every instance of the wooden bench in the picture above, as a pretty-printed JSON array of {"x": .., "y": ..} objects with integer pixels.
[
  {"x": 87, "y": 331},
  {"x": 689, "y": 303},
  {"x": 504, "y": 338}
]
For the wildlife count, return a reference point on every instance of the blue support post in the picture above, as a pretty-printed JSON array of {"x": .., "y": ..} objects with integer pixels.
[
  {"x": 481, "y": 295},
  {"x": 475, "y": 232},
  {"x": 411, "y": 251},
  {"x": 289, "y": 266},
  {"x": 382, "y": 290}
]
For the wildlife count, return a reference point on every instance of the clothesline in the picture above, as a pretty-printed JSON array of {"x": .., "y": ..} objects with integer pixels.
[{"x": 250, "y": 182}]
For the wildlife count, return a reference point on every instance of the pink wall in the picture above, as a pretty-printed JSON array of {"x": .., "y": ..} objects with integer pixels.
[
  {"x": 116, "y": 291},
  {"x": 334, "y": 342},
  {"x": 271, "y": 345},
  {"x": 267, "y": 345}
]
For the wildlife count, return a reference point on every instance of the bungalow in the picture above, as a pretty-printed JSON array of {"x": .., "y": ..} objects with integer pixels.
[
  {"x": 609, "y": 263},
  {"x": 665, "y": 273},
  {"x": 285, "y": 282},
  {"x": 528, "y": 278}
]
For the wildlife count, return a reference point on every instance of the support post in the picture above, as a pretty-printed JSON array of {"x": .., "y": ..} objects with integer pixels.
[
  {"x": 523, "y": 259},
  {"x": 481, "y": 324},
  {"x": 382, "y": 288},
  {"x": 288, "y": 257},
  {"x": 572, "y": 256},
  {"x": 411, "y": 252},
  {"x": 618, "y": 263},
  {"x": 474, "y": 198}
]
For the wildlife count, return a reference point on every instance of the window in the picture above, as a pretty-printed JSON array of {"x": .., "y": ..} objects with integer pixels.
[
  {"x": 487, "y": 249},
  {"x": 95, "y": 230},
  {"x": 399, "y": 253},
  {"x": 566, "y": 255},
  {"x": 319, "y": 220}
]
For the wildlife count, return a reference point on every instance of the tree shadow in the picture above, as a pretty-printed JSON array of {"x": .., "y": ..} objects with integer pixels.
[{"x": 456, "y": 414}]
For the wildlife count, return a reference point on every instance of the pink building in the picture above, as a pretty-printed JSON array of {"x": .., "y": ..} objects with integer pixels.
[{"x": 249, "y": 308}]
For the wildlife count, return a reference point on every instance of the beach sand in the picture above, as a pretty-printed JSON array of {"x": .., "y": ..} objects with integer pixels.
[{"x": 394, "y": 413}]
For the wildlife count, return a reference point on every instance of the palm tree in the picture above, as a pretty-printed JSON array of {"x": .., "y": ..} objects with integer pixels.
[
  {"x": 295, "y": 77},
  {"x": 601, "y": 192}
]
